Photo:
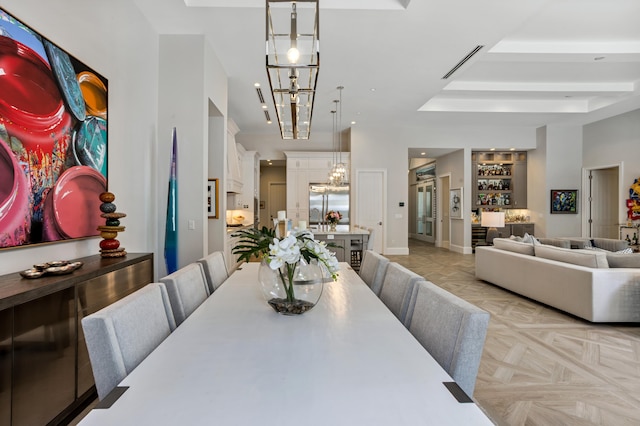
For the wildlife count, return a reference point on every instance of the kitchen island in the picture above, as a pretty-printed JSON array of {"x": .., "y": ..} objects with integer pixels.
[{"x": 351, "y": 241}]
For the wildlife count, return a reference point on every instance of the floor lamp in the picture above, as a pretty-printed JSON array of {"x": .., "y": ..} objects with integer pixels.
[{"x": 492, "y": 220}]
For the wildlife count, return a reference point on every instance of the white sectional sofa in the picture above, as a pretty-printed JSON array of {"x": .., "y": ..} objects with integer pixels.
[{"x": 598, "y": 286}]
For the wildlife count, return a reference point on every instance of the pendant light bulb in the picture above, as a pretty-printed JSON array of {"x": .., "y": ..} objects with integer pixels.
[{"x": 293, "y": 55}]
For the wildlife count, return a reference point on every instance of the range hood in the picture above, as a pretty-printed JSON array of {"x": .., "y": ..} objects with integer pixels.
[{"x": 234, "y": 174}]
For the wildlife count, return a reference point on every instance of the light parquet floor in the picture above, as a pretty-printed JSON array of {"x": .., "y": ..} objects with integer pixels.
[{"x": 540, "y": 366}]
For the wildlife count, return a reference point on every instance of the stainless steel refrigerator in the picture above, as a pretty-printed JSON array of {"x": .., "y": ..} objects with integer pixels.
[{"x": 323, "y": 198}]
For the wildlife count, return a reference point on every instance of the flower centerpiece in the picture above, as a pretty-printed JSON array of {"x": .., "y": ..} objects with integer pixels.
[
  {"x": 292, "y": 268},
  {"x": 333, "y": 217}
]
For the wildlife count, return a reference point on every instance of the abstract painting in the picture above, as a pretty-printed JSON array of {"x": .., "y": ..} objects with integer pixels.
[{"x": 53, "y": 140}]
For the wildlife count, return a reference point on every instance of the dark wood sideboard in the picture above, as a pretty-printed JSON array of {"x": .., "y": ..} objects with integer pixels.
[{"x": 45, "y": 373}]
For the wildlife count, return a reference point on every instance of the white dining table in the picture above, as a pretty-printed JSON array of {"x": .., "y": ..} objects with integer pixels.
[{"x": 235, "y": 361}]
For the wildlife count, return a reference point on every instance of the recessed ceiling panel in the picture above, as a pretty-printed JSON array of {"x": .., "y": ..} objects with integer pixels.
[{"x": 325, "y": 4}]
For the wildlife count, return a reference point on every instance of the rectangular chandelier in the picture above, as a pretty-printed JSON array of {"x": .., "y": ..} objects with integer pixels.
[{"x": 293, "y": 62}]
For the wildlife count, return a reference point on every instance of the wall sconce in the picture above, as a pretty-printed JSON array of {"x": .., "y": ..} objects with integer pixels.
[{"x": 293, "y": 62}]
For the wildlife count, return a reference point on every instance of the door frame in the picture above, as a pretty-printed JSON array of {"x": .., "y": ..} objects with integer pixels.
[
  {"x": 586, "y": 193},
  {"x": 440, "y": 205},
  {"x": 270, "y": 200},
  {"x": 434, "y": 212}
]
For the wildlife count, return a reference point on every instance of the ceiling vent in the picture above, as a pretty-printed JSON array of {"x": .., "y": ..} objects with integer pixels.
[
  {"x": 260, "y": 97},
  {"x": 462, "y": 61}
]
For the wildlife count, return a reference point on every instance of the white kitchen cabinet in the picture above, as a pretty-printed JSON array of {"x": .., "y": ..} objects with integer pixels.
[{"x": 230, "y": 258}]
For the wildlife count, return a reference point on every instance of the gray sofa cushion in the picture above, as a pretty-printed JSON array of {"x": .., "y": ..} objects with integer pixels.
[
  {"x": 556, "y": 242},
  {"x": 514, "y": 246},
  {"x": 618, "y": 260},
  {"x": 609, "y": 244},
  {"x": 588, "y": 258}
]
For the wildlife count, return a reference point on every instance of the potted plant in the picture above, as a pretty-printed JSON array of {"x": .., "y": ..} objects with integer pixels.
[
  {"x": 333, "y": 217},
  {"x": 292, "y": 269}
]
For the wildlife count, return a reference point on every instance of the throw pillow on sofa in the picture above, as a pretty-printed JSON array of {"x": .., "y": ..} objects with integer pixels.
[{"x": 588, "y": 258}]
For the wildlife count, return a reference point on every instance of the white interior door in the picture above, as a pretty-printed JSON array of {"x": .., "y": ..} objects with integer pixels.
[
  {"x": 370, "y": 204},
  {"x": 277, "y": 201}
]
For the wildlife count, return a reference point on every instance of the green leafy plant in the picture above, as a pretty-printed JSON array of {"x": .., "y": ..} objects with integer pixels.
[
  {"x": 283, "y": 255},
  {"x": 253, "y": 242}
]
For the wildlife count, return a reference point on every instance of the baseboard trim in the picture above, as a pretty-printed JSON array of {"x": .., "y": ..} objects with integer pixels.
[{"x": 396, "y": 251}]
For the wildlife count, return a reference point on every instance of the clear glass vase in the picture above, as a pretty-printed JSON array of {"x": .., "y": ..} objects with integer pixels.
[{"x": 295, "y": 297}]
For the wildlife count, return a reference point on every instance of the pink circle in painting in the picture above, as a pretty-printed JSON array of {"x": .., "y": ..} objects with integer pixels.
[
  {"x": 49, "y": 228},
  {"x": 14, "y": 203},
  {"x": 76, "y": 201}
]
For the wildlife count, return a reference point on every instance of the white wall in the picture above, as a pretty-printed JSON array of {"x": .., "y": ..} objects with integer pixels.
[
  {"x": 537, "y": 198},
  {"x": 556, "y": 163},
  {"x": 190, "y": 78},
  {"x": 564, "y": 171},
  {"x": 117, "y": 41},
  {"x": 454, "y": 165},
  {"x": 615, "y": 140}
]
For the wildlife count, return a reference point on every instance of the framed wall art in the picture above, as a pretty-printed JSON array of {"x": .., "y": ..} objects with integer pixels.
[
  {"x": 212, "y": 198},
  {"x": 564, "y": 201},
  {"x": 455, "y": 203},
  {"x": 53, "y": 140}
]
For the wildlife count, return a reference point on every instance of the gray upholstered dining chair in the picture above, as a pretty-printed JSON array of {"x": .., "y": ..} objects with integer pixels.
[
  {"x": 187, "y": 289},
  {"x": 451, "y": 329},
  {"x": 372, "y": 270},
  {"x": 121, "y": 335},
  {"x": 215, "y": 270},
  {"x": 397, "y": 288},
  {"x": 370, "y": 239}
]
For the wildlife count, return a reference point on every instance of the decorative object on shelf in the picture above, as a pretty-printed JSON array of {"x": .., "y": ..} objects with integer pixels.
[
  {"x": 292, "y": 269},
  {"x": 110, "y": 246},
  {"x": 55, "y": 267},
  {"x": 629, "y": 232},
  {"x": 212, "y": 198},
  {"x": 633, "y": 202},
  {"x": 499, "y": 179},
  {"x": 333, "y": 217},
  {"x": 564, "y": 201},
  {"x": 455, "y": 203},
  {"x": 171, "y": 226},
  {"x": 293, "y": 63},
  {"x": 492, "y": 220}
]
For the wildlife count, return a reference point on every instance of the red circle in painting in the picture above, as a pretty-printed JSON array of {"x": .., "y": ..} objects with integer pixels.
[{"x": 76, "y": 201}]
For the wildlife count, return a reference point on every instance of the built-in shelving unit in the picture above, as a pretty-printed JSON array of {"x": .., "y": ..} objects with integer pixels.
[{"x": 500, "y": 179}]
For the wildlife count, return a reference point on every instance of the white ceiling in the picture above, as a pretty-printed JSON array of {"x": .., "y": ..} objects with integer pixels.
[{"x": 543, "y": 61}]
